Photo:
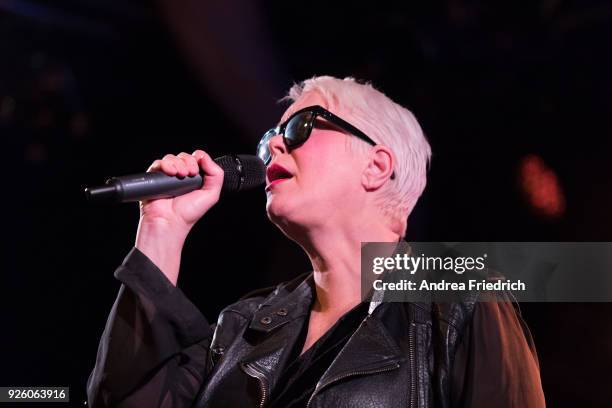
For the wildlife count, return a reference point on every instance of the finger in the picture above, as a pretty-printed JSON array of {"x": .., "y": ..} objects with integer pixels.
[
  {"x": 198, "y": 154},
  {"x": 190, "y": 162},
  {"x": 155, "y": 166},
  {"x": 181, "y": 168},
  {"x": 213, "y": 179},
  {"x": 167, "y": 165},
  {"x": 209, "y": 166}
]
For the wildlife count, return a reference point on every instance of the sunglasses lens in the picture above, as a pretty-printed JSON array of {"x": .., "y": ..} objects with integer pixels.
[
  {"x": 298, "y": 129},
  {"x": 297, "y": 132},
  {"x": 263, "y": 149}
]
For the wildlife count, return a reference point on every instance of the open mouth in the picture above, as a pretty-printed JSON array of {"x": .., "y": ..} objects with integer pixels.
[{"x": 277, "y": 174}]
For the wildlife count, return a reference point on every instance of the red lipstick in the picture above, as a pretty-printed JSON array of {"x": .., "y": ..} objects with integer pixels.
[{"x": 276, "y": 174}]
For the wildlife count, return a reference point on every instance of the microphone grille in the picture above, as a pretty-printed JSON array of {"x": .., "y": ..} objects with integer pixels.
[
  {"x": 254, "y": 171},
  {"x": 242, "y": 172}
]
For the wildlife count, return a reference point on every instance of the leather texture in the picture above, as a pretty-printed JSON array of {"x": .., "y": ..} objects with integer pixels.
[{"x": 400, "y": 356}]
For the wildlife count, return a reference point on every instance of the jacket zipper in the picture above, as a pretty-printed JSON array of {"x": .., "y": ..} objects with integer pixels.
[
  {"x": 263, "y": 382},
  {"x": 389, "y": 367},
  {"x": 412, "y": 366}
]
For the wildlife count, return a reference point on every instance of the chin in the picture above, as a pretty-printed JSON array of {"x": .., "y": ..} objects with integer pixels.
[
  {"x": 285, "y": 214},
  {"x": 277, "y": 209}
]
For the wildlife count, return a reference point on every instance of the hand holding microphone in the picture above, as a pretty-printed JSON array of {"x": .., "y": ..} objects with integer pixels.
[
  {"x": 184, "y": 210},
  {"x": 174, "y": 194}
]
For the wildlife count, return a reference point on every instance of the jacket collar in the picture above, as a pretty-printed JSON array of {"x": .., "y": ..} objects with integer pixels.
[
  {"x": 287, "y": 304},
  {"x": 277, "y": 324},
  {"x": 371, "y": 342}
]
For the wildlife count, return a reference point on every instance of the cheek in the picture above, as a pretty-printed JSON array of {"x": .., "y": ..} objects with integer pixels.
[
  {"x": 327, "y": 168},
  {"x": 321, "y": 155},
  {"x": 328, "y": 180}
]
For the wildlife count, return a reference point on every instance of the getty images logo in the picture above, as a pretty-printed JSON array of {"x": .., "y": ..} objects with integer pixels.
[{"x": 405, "y": 262}]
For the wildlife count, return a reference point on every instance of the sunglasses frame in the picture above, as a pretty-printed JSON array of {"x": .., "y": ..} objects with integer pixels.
[{"x": 315, "y": 110}]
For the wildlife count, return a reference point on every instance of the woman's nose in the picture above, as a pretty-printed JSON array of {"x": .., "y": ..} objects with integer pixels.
[{"x": 277, "y": 145}]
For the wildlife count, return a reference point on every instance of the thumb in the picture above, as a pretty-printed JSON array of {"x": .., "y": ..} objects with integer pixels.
[{"x": 213, "y": 173}]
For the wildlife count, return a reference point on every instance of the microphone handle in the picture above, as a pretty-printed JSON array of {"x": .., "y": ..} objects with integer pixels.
[
  {"x": 141, "y": 186},
  {"x": 136, "y": 187}
]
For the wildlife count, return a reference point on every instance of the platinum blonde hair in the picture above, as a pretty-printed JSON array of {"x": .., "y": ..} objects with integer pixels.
[{"x": 387, "y": 123}]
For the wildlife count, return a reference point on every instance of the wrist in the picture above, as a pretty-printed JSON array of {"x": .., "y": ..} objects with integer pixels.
[
  {"x": 158, "y": 227},
  {"x": 163, "y": 245}
]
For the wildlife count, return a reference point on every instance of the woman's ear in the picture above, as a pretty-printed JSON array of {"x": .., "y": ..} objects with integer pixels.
[{"x": 379, "y": 168}]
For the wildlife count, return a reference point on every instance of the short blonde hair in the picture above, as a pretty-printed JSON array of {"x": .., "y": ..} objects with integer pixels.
[{"x": 387, "y": 123}]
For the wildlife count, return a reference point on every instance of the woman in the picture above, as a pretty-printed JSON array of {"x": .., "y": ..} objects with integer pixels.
[{"x": 346, "y": 165}]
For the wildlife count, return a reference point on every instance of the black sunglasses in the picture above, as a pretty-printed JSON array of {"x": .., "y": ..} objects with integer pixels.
[{"x": 296, "y": 130}]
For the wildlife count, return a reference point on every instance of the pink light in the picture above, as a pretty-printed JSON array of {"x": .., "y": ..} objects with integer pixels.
[{"x": 541, "y": 187}]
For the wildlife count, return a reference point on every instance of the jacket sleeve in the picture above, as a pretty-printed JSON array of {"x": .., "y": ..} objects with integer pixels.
[
  {"x": 496, "y": 363},
  {"x": 154, "y": 349}
]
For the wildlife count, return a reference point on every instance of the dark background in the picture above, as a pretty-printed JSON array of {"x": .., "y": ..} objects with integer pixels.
[{"x": 514, "y": 98}]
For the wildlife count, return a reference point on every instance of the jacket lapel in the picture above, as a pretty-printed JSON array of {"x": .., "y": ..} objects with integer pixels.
[
  {"x": 277, "y": 325},
  {"x": 369, "y": 350}
]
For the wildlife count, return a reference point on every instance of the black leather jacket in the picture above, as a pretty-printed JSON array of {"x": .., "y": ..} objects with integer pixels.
[{"x": 158, "y": 350}]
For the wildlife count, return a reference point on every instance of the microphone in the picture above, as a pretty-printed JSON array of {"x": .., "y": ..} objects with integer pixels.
[{"x": 242, "y": 172}]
